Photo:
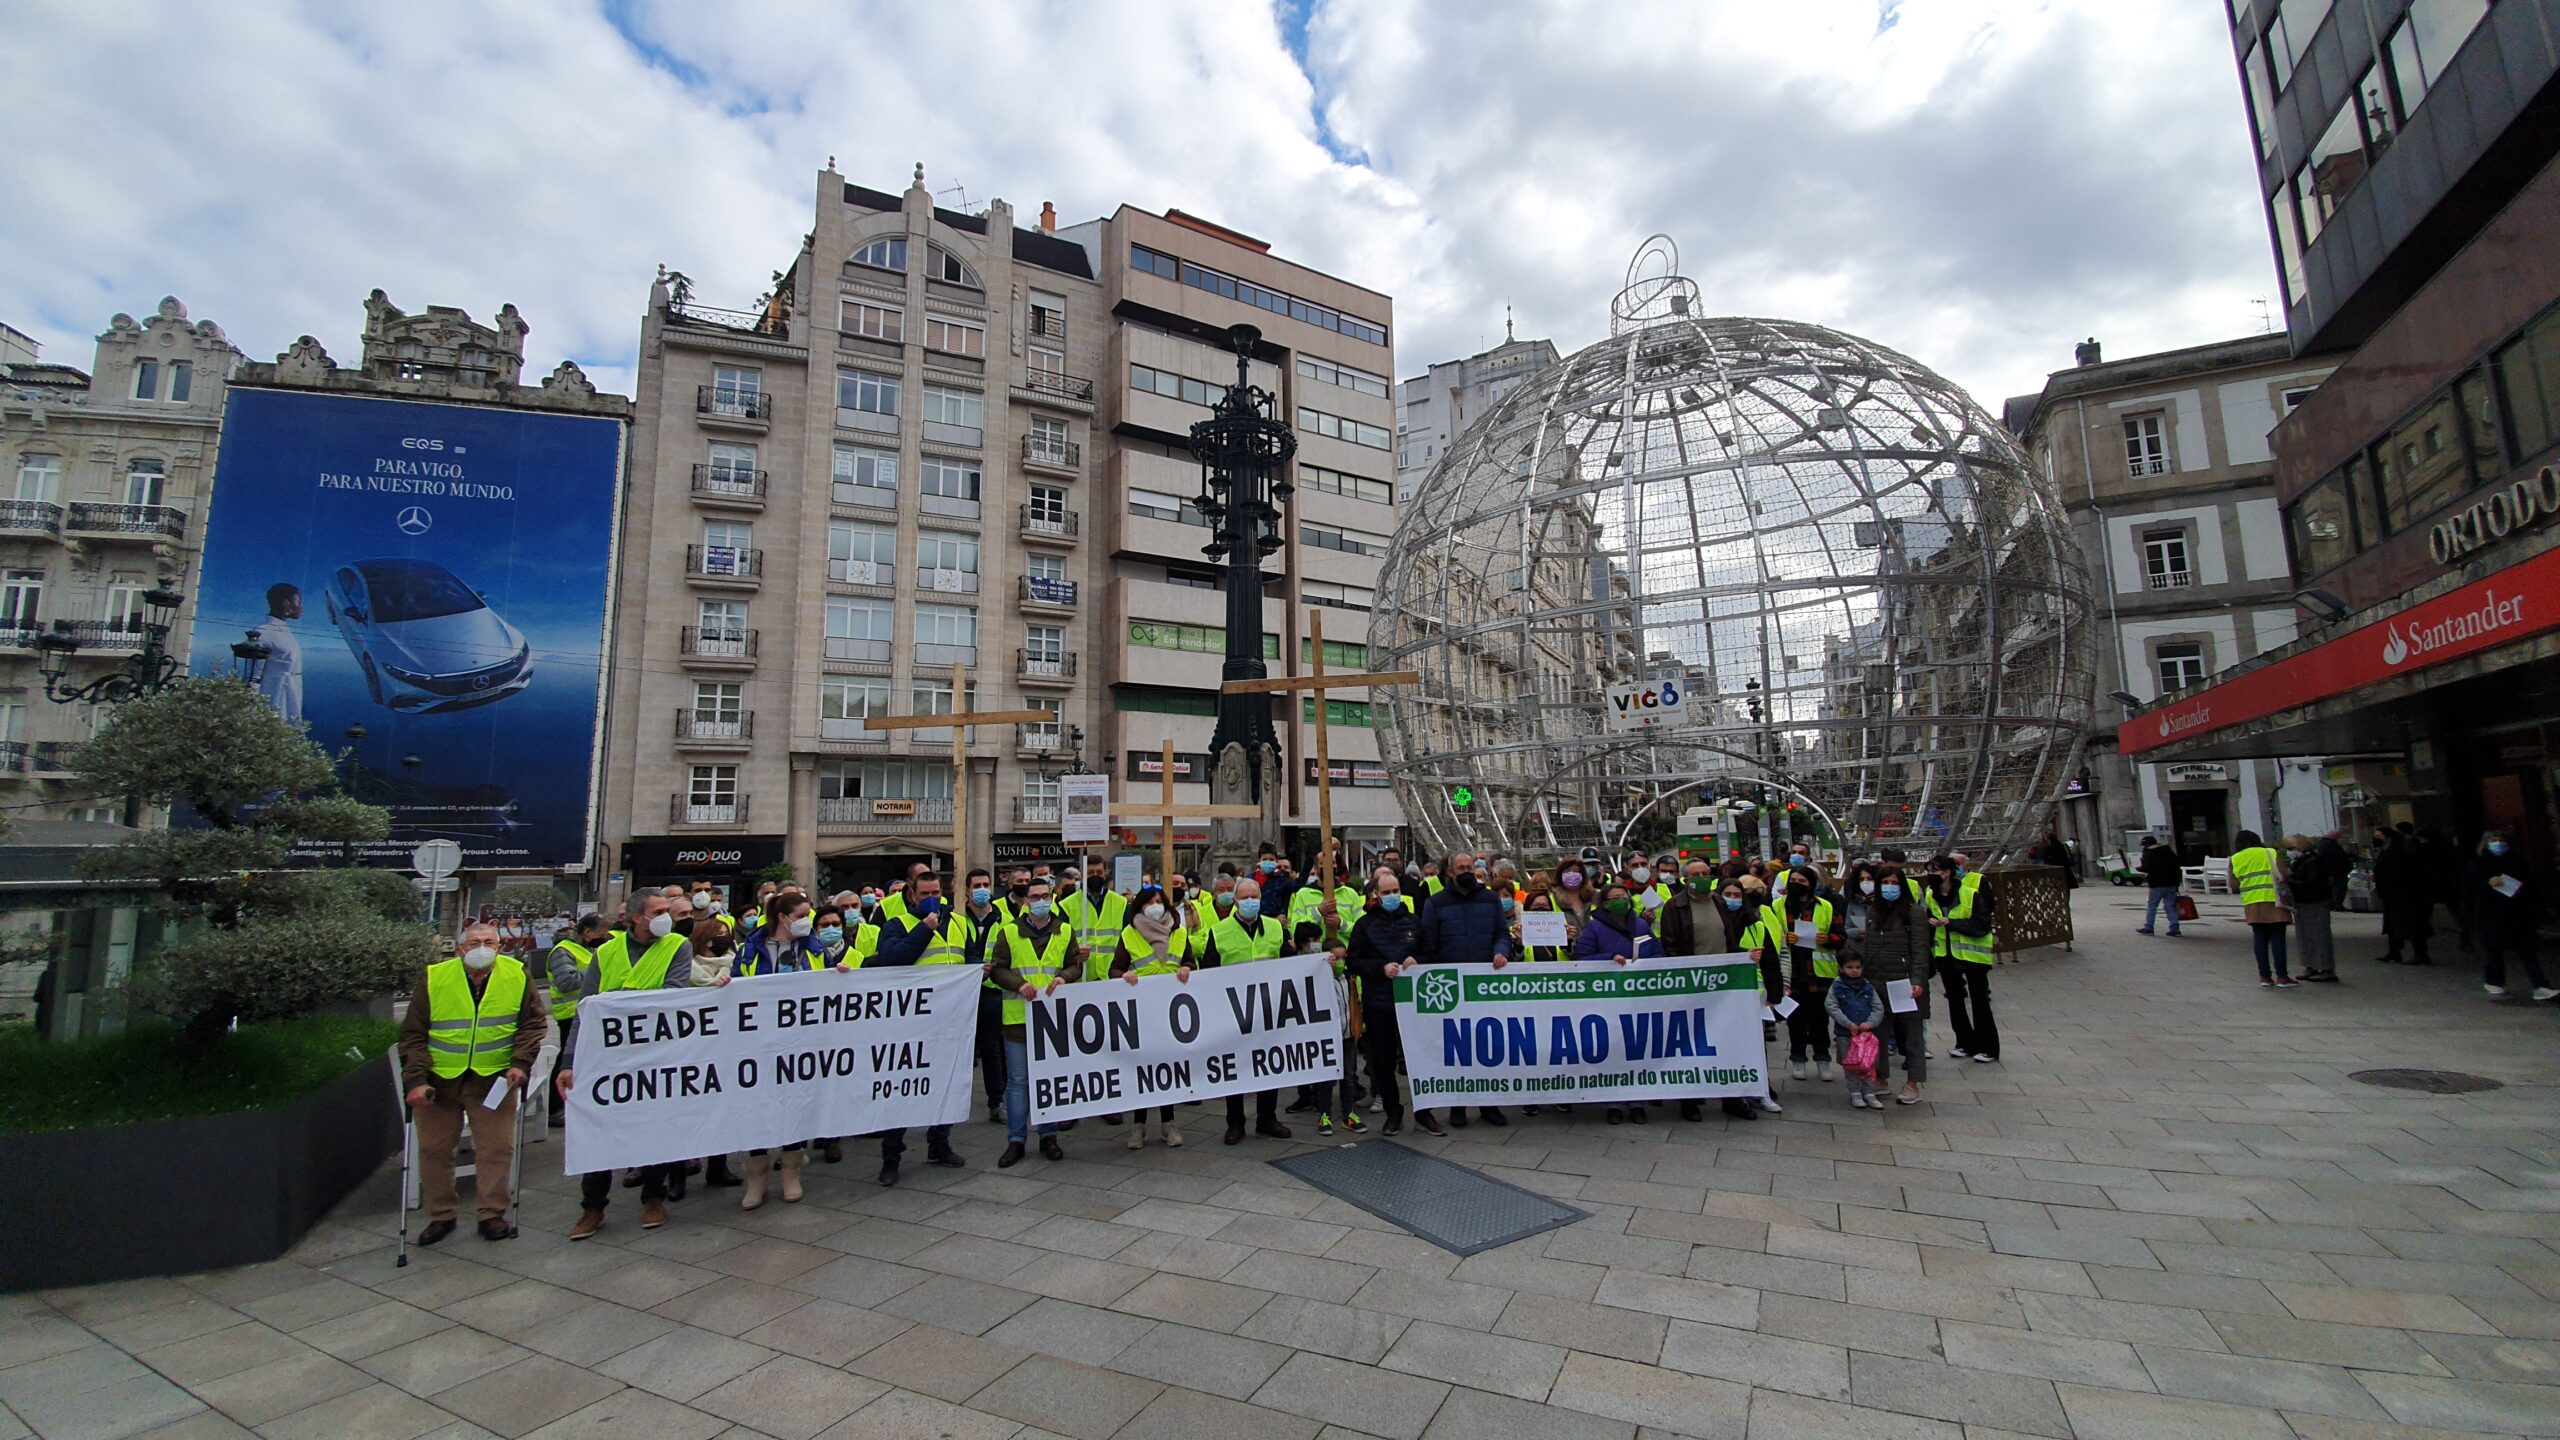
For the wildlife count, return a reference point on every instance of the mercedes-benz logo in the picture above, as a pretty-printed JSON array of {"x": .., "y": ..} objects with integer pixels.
[
  {"x": 414, "y": 520},
  {"x": 479, "y": 682}
]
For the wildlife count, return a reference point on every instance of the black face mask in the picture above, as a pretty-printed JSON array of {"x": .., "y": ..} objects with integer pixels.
[
  {"x": 680, "y": 927},
  {"x": 1018, "y": 891},
  {"x": 1463, "y": 881}
]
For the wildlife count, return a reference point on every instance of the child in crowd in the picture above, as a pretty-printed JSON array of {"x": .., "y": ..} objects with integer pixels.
[
  {"x": 1855, "y": 1009},
  {"x": 1309, "y": 940}
]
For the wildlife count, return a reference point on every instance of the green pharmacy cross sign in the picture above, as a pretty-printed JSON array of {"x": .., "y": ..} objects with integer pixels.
[{"x": 1462, "y": 797}]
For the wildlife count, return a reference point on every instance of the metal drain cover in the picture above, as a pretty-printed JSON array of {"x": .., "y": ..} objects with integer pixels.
[
  {"x": 2433, "y": 1082},
  {"x": 1451, "y": 1206}
]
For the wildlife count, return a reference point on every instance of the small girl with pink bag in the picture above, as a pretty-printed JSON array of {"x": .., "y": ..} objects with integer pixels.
[{"x": 1856, "y": 1010}]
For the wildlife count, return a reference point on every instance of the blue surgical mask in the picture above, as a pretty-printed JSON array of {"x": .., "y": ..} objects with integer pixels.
[
  {"x": 831, "y": 936},
  {"x": 981, "y": 895},
  {"x": 1733, "y": 902},
  {"x": 1249, "y": 909},
  {"x": 1506, "y": 904},
  {"x": 1391, "y": 902},
  {"x": 1795, "y": 860},
  {"x": 928, "y": 905},
  {"x": 2497, "y": 847},
  {"x": 1040, "y": 909},
  {"x": 1267, "y": 866},
  {"x": 1890, "y": 892}
]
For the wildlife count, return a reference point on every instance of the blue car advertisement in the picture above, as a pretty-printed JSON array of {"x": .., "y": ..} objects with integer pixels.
[{"x": 436, "y": 576}]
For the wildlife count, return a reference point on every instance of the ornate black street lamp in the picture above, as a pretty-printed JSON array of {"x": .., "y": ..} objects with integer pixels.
[
  {"x": 1242, "y": 448},
  {"x": 151, "y": 668}
]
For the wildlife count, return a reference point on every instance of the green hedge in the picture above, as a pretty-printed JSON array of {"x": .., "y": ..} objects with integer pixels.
[{"x": 157, "y": 1073}]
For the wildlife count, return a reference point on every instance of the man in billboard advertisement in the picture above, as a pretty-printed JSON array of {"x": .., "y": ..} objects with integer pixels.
[{"x": 437, "y": 575}]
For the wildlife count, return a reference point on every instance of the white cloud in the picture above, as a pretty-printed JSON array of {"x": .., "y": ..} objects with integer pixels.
[{"x": 1979, "y": 185}]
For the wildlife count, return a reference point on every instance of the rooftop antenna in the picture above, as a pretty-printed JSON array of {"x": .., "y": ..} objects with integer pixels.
[
  {"x": 1506, "y": 324},
  {"x": 963, "y": 192},
  {"x": 2266, "y": 314}
]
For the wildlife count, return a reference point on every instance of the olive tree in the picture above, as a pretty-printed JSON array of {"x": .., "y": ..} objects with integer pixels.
[{"x": 257, "y": 941}]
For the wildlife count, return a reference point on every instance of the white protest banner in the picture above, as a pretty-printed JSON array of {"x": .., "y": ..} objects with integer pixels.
[
  {"x": 767, "y": 1061},
  {"x": 1106, "y": 1046},
  {"x": 1569, "y": 1032}
]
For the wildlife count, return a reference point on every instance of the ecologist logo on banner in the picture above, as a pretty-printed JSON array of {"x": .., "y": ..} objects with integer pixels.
[{"x": 1584, "y": 1031}]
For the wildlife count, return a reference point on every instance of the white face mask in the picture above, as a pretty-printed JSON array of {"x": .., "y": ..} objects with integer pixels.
[
  {"x": 479, "y": 957},
  {"x": 1154, "y": 911},
  {"x": 661, "y": 925},
  {"x": 800, "y": 927},
  {"x": 1640, "y": 874},
  {"x": 1866, "y": 887}
]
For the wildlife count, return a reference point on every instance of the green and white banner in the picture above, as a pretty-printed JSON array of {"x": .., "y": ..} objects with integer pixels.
[{"x": 1591, "y": 1031}]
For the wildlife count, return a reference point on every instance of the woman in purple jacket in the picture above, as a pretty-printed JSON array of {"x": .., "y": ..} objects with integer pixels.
[{"x": 1618, "y": 931}]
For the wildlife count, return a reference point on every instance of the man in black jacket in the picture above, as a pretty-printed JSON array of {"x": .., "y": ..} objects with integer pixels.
[
  {"x": 1382, "y": 943},
  {"x": 2162, "y": 872},
  {"x": 1690, "y": 923},
  {"x": 1462, "y": 925}
]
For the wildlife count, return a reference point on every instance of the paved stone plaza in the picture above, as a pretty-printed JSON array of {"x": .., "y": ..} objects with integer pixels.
[{"x": 2169, "y": 1212}]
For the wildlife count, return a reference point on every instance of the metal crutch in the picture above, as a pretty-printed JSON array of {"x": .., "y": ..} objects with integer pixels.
[
  {"x": 408, "y": 1144},
  {"x": 543, "y": 1060}
]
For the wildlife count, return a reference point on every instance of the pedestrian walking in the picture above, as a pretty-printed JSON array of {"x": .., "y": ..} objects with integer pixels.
[
  {"x": 2165, "y": 877},
  {"x": 2507, "y": 912}
]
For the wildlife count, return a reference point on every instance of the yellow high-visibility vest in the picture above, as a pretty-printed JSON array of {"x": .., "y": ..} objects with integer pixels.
[
  {"x": 616, "y": 970},
  {"x": 471, "y": 1036},
  {"x": 564, "y": 1004},
  {"x": 1033, "y": 965}
]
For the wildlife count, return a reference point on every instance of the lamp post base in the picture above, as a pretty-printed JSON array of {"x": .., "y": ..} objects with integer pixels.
[{"x": 1231, "y": 782}]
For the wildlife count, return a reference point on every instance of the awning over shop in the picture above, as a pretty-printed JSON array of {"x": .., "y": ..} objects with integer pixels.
[{"x": 2362, "y": 690}]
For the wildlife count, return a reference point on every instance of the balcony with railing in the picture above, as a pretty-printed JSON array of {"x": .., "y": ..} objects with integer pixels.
[
  {"x": 151, "y": 523},
  {"x": 1045, "y": 667},
  {"x": 944, "y": 580},
  {"x": 1062, "y": 457},
  {"x": 696, "y": 730},
  {"x": 30, "y": 517},
  {"x": 882, "y": 814},
  {"x": 1041, "y": 593},
  {"x": 771, "y": 323},
  {"x": 720, "y": 648},
  {"x": 850, "y": 650},
  {"x": 728, "y": 565},
  {"x": 1049, "y": 387},
  {"x": 115, "y": 637},
  {"x": 1042, "y": 524},
  {"x": 707, "y": 811},
  {"x": 20, "y": 632},
  {"x": 863, "y": 497},
  {"x": 1040, "y": 738},
  {"x": 734, "y": 409},
  {"x": 51, "y": 757},
  {"x": 2170, "y": 579},
  {"x": 849, "y": 730},
  {"x": 931, "y": 656},
  {"x": 1028, "y": 811},
  {"x": 949, "y": 507},
  {"x": 729, "y": 485}
]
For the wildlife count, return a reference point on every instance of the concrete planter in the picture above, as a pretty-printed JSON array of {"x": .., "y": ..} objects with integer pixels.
[{"x": 166, "y": 1197}]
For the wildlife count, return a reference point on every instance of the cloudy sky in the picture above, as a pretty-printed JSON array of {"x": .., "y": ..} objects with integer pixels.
[{"x": 1978, "y": 183}]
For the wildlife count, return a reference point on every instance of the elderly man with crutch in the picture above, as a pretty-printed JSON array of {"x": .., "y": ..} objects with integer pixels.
[{"x": 474, "y": 1033}]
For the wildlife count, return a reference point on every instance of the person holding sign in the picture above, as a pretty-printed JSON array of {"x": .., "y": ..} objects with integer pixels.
[
  {"x": 474, "y": 1028},
  {"x": 1028, "y": 959},
  {"x": 1155, "y": 942},
  {"x": 1895, "y": 947},
  {"x": 665, "y": 962},
  {"x": 1240, "y": 938},
  {"x": 2506, "y": 915},
  {"x": 1691, "y": 922},
  {"x": 1809, "y": 925},
  {"x": 925, "y": 933},
  {"x": 1382, "y": 942},
  {"x": 1621, "y": 934}
]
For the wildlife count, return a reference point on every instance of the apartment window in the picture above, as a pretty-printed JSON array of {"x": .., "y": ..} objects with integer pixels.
[
  {"x": 876, "y": 322},
  {"x": 935, "y": 697},
  {"x": 123, "y": 612},
  {"x": 2146, "y": 445},
  {"x": 2292, "y": 398},
  {"x": 1338, "y": 597},
  {"x": 1048, "y": 315},
  {"x": 884, "y": 780},
  {"x": 1044, "y": 645},
  {"x": 411, "y": 358},
  {"x": 735, "y": 390},
  {"x": 733, "y": 466},
  {"x": 2288, "y": 232},
  {"x": 474, "y": 369},
  {"x": 1141, "y": 700},
  {"x": 712, "y": 793},
  {"x": 2424, "y": 42},
  {"x": 946, "y": 625},
  {"x": 1048, "y": 507},
  {"x": 2373, "y": 107},
  {"x": 955, "y": 337},
  {"x": 844, "y": 704},
  {"x": 146, "y": 379},
  {"x": 865, "y": 401},
  {"x": 1049, "y": 438},
  {"x": 1045, "y": 567},
  {"x": 2422, "y": 464},
  {"x": 1311, "y": 368},
  {"x": 717, "y": 702},
  {"x": 1199, "y": 277},
  {"x": 2262, "y": 97},
  {"x": 1039, "y": 791},
  {"x": 2165, "y": 561},
  {"x": 1156, "y": 505},
  {"x": 1335, "y": 426},
  {"x": 145, "y": 482},
  {"x": 889, "y": 252},
  {"x": 947, "y": 562},
  {"x": 962, "y": 414},
  {"x": 950, "y": 479},
  {"x": 2320, "y": 528},
  {"x": 2289, "y": 35},
  {"x": 1191, "y": 579},
  {"x": 1174, "y": 387},
  {"x": 182, "y": 380},
  {"x": 2336, "y": 166},
  {"x": 724, "y": 621},
  {"x": 861, "y": 554},
  {"x": 1334, "y": 537},
  {"x": 1042, "y": 734},
  {"x": 1198, "y": 639},
  {"x": 1047, "y": 364},
  {"x": 1336, "y": 712},
  {"x": 864, "y": 476},
  {"x": 860, "y": 629},
  {"x": 40, "y": 477},
  {"x": 728, "y": 535},
  {"x": 950, "y": 269},
  {"x": 2181, "y": 665},
  {"x": 21, "y": 599},
  {"x": 1340, "y": 482},
  {"x": 2528, "y": 375},
  {"x": 1338, "y": 654}
]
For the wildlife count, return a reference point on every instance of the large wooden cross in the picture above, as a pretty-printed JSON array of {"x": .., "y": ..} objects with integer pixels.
[
  {"x": 1317, "y": 682},
  {"x": 1164, "y": 815},
  {"x": 960, "y": 721}
]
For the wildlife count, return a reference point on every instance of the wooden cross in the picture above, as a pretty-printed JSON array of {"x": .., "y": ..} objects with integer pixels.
[
  {"x": 1164, "y": 814},
  {"x": 1319, "y": 682},
  {"x": 959, "y": 721}
]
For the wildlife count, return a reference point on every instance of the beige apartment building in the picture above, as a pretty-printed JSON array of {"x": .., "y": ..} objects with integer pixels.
[
  {"x": 950, "y": 440},
  {"x": 108, "y": 470}
]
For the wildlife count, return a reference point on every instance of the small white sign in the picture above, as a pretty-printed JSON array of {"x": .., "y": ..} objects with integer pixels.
[
  {"x": 1805, "y": 934},
  {"x": 1084, "y": 809},
  {"x": 1542, "y": 927},
  {"x": 1648, "y": 704},
  {"x": 1126, "y": 871},
  {"x": 1897, "y": 993},
  {"x": 436, "y": 859},
  {"x": 1787, "y": 1007}
]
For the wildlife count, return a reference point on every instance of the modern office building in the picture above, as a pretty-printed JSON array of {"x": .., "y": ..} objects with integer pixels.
[
  {"x": 948, "y": 440},
  {"x": 109, "y": 469},
  {"x": 2409, "y": 155},
  {"x": 2163, "y": 465},
  {"x": 1434, "y": 408}
]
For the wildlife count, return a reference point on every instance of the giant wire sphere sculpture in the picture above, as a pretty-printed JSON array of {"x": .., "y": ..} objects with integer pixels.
[{"x": 1874, "y": 608}]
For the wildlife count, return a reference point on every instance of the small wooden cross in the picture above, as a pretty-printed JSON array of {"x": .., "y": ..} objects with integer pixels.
[
  {"x": 959, "y": 723},
  {"x": 1165, "y": 813},
  {"x": 1318, "y": 683}
]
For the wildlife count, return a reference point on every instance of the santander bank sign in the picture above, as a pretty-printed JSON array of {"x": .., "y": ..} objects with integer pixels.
[{"x": 2518, "y": 601}]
